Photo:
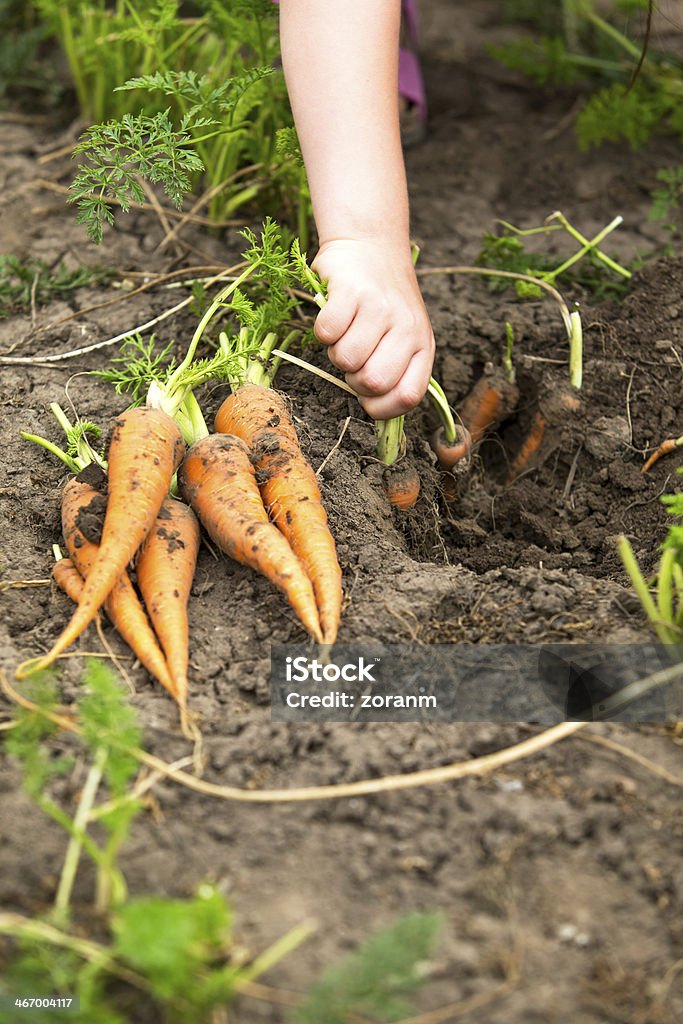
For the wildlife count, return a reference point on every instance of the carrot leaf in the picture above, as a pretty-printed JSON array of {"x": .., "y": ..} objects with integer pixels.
[
  {"x": 376, "y": 978},
  {"x": 178, "y": 945}
]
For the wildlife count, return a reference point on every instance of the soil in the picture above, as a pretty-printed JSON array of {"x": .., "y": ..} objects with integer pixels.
[{"x": 571, "y": 861}]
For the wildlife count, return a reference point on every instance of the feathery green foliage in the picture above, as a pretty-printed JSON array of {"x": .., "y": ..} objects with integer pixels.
[
  {"x": 173, "y": 958},
  {"x": 376, "y": 978},
  {"x": 24, "y": 282},
  {"x": 579, "y": 45}
]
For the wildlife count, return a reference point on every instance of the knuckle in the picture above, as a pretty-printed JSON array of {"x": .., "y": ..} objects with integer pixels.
[
  {"x": 372, "y": 381},
  {"x": 344, "y": 361},
  {"x": 324, "y": 330},
  {"x": 408, "y": 395}
]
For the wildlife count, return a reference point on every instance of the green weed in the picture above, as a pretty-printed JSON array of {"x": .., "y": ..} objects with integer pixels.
[{"x": 28, "y": 282}]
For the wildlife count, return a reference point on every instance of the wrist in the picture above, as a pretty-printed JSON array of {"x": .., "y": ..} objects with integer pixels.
[{"x": 394, "y": 247}]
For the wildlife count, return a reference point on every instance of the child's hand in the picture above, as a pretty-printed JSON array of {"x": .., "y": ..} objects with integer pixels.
[{"x": 375, "y": 324}]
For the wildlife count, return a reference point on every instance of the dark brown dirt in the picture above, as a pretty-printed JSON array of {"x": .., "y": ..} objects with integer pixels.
[{"x": 571, "y": 860}]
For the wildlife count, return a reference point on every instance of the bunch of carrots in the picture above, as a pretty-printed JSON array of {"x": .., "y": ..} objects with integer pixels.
[
  {"x": 129, "y": 516},
  {"x": 248, "y": 484}
]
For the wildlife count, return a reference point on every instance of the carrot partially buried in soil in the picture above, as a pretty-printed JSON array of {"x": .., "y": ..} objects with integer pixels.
[
  {"x": 491, "y": 400},
  {"x": 165, "y": 569},
  {"x": 530, "y": 446},
  {"x": 259, "y": 416},
  {"x": 555, "y": 406},
  {"x": 145, "y": 450},
  {"x": 218, "y": 480},
  {"x": 402, "y": 485},
  {"x": 83, "y": 508},
  {"x": 450, "y": 454}
]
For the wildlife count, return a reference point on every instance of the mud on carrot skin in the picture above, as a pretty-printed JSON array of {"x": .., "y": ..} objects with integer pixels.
[
  {"x": 402, "y": 486},
  {"x": 145, "y": 450},
  {"x": 165, "y": 568},
  {"x": 82, "y": 509},
  {"x": 289, "y": 487},
  {"x": 491, "y": 400},
  {"x": 218, "y": 480}
]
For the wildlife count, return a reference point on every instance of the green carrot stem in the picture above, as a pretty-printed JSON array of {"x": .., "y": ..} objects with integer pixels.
[
  {"x": 73, "y": 851},
  {"x": 576, "y": 351},
  {"x": 70, "y": 463},
  {"x": 631, "y": 49},
  {"x": 510, "y": 275},
  {"x": 641, "y": 588},
  {"x": 443, "y": 409},
  {"x": 665, "y": 586},
  {"x": 507, "y": 356},
  {"x": 219, "y": 301},
  {"x": 590, "y": 245},
  {"x": 677, "y": 573},
  {"x": 390, "y": 440}
]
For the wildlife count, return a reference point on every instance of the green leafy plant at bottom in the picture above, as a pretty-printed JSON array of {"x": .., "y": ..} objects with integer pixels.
[{"x": 152, "y": 957}]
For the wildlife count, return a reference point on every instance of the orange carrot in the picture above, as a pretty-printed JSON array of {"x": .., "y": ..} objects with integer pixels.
[
  {"x": 218, "y": 480},
  {"x": 290, "y": 491},
  {"x": 165, "y": 570},
  {"x": 449, "y": 454},
  {"x": 67, "y": 577},
  {"x": 81, "y": 503},
  {"x": 665, "y": 448},
  {"x": 491, "y": 399},
  {"x": 402, "y": 484},
  {"x": 145, "y": 450},
  {"x": 532, "y": 442}
]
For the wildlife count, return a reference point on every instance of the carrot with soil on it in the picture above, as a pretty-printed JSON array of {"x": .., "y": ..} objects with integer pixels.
[
  {"x": 165, "y": 568},
  {"x": 144, "y": 452},
  {"x": 83, "y": 508},
  {"x": 450, "y": 442},
  {"x": 259, "y": 416},
  {"x": 530, "y": 446},
  {"x": 493, "y": 398},
  {"x": 665, "y": 448},
  {"x": 402, "y": 484},
  {"x": 217, "y": 478},
  {"x": 556, "y": 404}
]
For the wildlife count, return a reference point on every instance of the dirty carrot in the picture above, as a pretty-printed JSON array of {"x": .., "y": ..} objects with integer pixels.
[
  {"x": 165, "y": 569},
  {"x": 144, "y": 452},
  {"x": 218, "y": 480},
  {"x": 402, "y": 484},
  {"x": 68, "y": 579},
  {"x": 82, "y": 512},
  {"x": 449, "y": 454},
  {"x": 259, "y": 416},
  {"x": 491, "y": 399},
  {"x": 532, "y": 443},
  {"x": 556, "y": 404},
  {"x": 665, "y": 448}
]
